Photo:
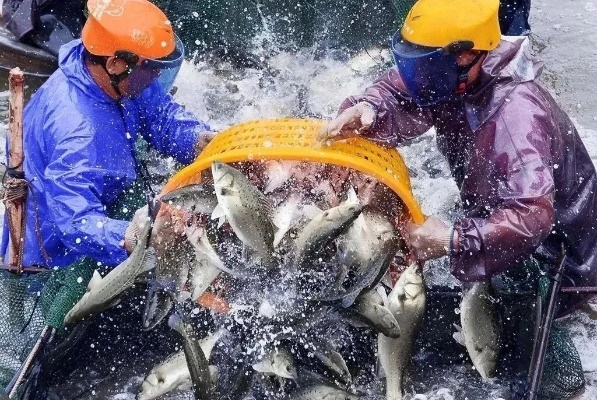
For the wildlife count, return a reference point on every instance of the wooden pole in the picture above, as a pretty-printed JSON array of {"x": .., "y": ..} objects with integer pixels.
[{"x": 15, "y": 163}]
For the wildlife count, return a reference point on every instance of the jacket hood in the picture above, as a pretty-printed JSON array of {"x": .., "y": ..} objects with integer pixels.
[
  {"x": 72, "y": 64},
  {"x": 510, "y": 64}
]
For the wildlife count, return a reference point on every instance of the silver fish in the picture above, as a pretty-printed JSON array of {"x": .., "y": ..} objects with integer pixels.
[
  {"x": 369, "y": 308},
  {"x": 407, "y": 304},
  {"x": 104, "y": 292},
  {"x": 322, "y": 229},
  {"x": 322, "y": 392},
  {"x": 278, "y": 362},
  {"x": 198, "y": 199},
  {"x": 333, "y": 361},
  {"x": 158, "y": 304},
  {"x": 246, "y": 210},
  {"x": 173, "y": 373},
  {"x": 480, "y": 329},
  {"x": 364, "y": 238},
  {"x": 174, "y": 260},
  {"x": 203, "y": 387},
  {"x": 207, "y": 265}
]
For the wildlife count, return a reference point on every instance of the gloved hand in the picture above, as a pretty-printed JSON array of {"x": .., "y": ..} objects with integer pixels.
[
  {"x": 132, "y": 232},
  {"x": 429, "y": 240},
  {"x": 351, "y": 122},
  {"x": 202, "y": 141}
]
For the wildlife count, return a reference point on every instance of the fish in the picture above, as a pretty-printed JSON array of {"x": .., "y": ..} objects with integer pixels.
[
  {"x": 104, "y": 292},
  {"x": 207, "y": 265},
  {"x": 173, "y": 373},
  {"x": 333, "y": 361},
  {"x": 322, "y": 392},
  {"x": 285, "y": 216},
  {"x": 369, "y": 309},
  {"x": 480, "y": 329},
  {"x": 277, "y": 362},
  {"x": 158, "y": 304},
  {"x": 203, "y": 387},
  {"x": 199, "y": 198},
  {"x": 406, "y": 302},
  {"x": 364, "y": 238},
  {"x": 246, "y": 210},
  {"x": 174, "y": 260},
  {"x": 322, "y": 229},
  {"x": 368, "y": 276}
]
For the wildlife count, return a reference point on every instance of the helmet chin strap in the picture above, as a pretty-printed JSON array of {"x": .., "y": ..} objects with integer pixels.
[
  {"x": 463, "y": 74},
  {"x": 115, "y": 79}
]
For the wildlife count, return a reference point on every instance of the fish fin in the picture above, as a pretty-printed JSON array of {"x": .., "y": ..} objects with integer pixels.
[
  {"x": 278, "y": 236},
  {"x": 219, "y": 214},
  {"x": 383, "y": 294},
  {"x": 95, "y": 280},
  {"x": 175, "y": 322},
  {"x": 458, "y": 335},
  {"x": 184, "y": 295},
  {"x": 263, "y": 366},
  {"x": 348, "y": 300},
  {"x": 351, "y": 196}
]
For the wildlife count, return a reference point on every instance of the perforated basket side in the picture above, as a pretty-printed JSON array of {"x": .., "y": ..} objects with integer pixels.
[{"x": 294, "y": 139}]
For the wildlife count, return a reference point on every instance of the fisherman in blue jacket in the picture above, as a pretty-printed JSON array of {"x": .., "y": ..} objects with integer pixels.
[{"x": 80, "y": 130}]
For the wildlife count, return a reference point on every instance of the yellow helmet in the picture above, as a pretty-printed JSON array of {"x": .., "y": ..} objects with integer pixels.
[{"x": 438, "y": 23}]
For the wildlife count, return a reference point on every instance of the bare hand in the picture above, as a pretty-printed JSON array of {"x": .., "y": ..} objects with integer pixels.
[
  {"x": 429, "y": 240},
  {"x": 131, "y": 235},
  {"x": 351, "y": 122}
]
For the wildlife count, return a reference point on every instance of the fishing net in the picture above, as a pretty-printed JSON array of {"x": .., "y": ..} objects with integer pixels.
[
  {"x": 562, "y": 374},
  {"x": 517, "y": 290},
  {"x": 33, "y": 301},
  {"x": 401, "y": 9}
]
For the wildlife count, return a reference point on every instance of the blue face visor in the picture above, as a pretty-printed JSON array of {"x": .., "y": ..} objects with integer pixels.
[
  {"x": 430, "y": 74},
  {"x": 164, "y": 69}
]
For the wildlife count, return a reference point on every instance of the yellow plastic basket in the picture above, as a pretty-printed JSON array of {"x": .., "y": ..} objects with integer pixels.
[{"x": 294, "y": 139}]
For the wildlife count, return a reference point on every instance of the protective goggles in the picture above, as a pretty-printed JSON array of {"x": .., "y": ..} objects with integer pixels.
[{"x": 430, "y": 74}]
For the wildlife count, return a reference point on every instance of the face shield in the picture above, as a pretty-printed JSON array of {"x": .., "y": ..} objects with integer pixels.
[
  {"x": 431, "y": 75},
  {"x": 163, "y": 69}
]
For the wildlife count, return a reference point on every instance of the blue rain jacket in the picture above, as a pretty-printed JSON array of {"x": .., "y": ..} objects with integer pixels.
[{"x": 79, "y": 157}]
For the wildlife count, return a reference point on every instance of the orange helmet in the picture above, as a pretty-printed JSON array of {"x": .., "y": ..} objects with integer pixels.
[{"x": 134, "y": 26}]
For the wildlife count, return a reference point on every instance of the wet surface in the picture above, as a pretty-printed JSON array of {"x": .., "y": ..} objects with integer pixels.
[{"x": 113, "y": 361}]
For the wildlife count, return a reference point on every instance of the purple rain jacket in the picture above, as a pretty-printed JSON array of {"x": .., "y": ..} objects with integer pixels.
[{"x": 526, "y": 181}]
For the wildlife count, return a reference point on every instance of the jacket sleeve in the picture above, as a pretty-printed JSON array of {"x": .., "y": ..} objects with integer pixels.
[
  {"x": 524, "y": 215},
  {"x": 398, "y": 117},
  {"x": 169, "y": 128},
  {"x": 73, "y": 188}
]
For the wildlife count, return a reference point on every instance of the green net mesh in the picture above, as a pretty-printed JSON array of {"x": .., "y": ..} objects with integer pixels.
[
  {"x": 562, "y": 373},
  {"x": 22, "y": 319},
  {"x": 31, "y": 302},
  {"x": 401, "y": 9}
]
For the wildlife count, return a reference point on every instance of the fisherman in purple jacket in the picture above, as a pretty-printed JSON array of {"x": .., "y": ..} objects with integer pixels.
[{"x": 526, "y": 181}]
